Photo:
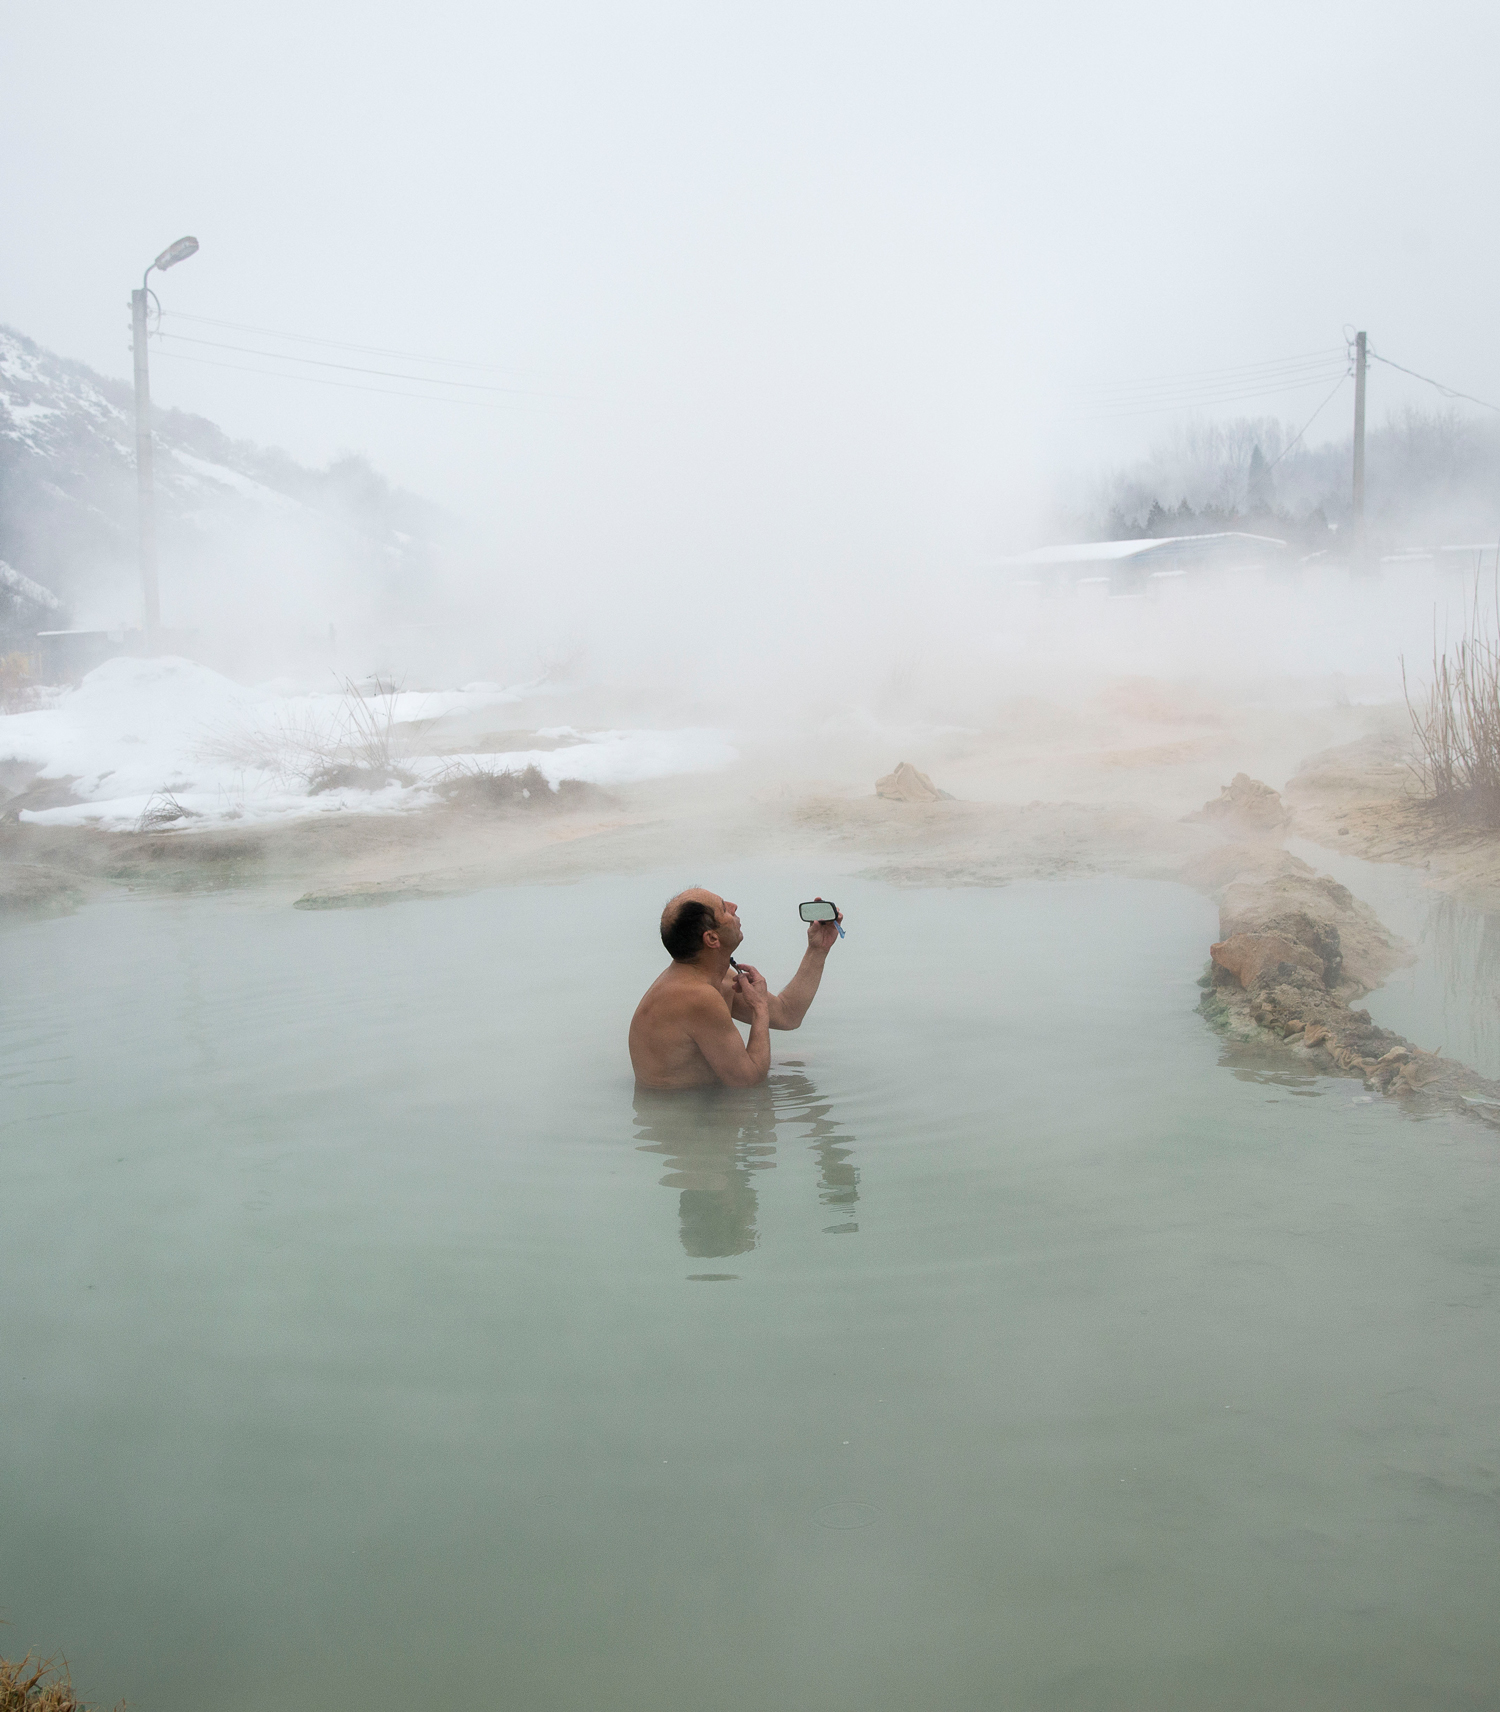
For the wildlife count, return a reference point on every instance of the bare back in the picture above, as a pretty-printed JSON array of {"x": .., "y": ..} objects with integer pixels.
[{"x": 683, "y": 1035}]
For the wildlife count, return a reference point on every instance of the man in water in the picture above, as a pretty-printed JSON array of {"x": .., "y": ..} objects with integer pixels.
[{"x": 682, "y": 1034}]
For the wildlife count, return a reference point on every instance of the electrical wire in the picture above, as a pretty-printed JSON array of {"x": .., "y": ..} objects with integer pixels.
[
  {"x": 1229, "y": 386},
  {"x": 1186, "y": 402},
  {"x": 1321, "y": 355},
  {"x": 1215, "y": 379},
  {"x": 1190, "y": 401},
  {"x": 335, "y": 344},
  {"x": 1205, "y": 388},
  {"x": 1311, "y": 377},
  {"x": 323, "y": 380},
  {"x": 353, "y": 368},
  {"x": 1447, "y": 391},
  {"x": 1309, "y": 422}
]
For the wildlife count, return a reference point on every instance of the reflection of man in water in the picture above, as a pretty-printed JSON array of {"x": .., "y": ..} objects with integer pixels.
[
  {"x": 714, "y": 1145},
  {"x": 683, "y": 1033}
]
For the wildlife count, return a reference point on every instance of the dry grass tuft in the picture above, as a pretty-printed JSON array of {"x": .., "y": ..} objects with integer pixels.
[
  {"x": 478, "y": 787},
  {"x": 351, "y": 776},
  {"x": 163, "y": 812},
  {"x": 37, "y": 1685},
  {"x": 352, "y": 746},
  {"x": 17, "y": 682},
  {"x": 368, "y": 729},
  {"x": 1457, "y": 724}
]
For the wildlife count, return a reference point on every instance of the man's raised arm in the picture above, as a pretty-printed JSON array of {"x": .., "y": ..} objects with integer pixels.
[{"x": 789, "y": 1006}]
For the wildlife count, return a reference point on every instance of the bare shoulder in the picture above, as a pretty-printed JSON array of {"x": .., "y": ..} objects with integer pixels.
[
  {"x": 695, "y": 1008},
  {"x": 700, "y": 1000},
  {"x": 673, "y": 998}
]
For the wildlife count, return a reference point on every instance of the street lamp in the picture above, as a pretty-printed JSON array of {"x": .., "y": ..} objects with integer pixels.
[{"x": 169, "y": 258}]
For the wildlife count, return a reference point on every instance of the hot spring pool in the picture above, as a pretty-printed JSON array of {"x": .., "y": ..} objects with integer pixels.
[{"x": 369, "y": 1342}]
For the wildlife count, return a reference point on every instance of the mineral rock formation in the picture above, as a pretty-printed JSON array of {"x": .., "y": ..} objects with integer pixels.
[
  {"x": 906, "y": 784},
  {"x": 1246, "y": 805},
  {"x": 1280, "y": 971},
  {"x": 1261, "y": 889},
  {"x": 1247, "y": 956}
]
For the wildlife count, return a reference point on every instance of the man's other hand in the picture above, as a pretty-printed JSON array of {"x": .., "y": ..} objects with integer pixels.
[{"x": 752, "y": 988}]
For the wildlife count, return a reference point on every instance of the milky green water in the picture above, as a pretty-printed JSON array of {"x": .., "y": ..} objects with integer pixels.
[
  {"x": 368, "y": 1342},
  {"x": 1448, "y": 999}
]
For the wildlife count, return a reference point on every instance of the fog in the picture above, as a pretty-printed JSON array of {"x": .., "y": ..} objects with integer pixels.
[
  {"x": 602, "y": 449},
  {"x": 804, "y": 319}
]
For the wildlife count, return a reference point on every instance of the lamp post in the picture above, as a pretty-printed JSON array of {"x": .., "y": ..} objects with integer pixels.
[{"x": 174, "y": 253}]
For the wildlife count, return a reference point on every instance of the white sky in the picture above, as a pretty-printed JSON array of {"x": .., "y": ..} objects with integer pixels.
[{"x": 806, "y": 281}]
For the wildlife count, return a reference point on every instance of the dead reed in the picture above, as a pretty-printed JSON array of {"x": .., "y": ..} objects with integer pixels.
[
  {"x": 163, "y": 812},
  {"x": 364, "y": 758},
  {"x": 17, "y": 682},
  {"x": 472, "y": 785},
  {"x": 368, "y": 728},
  {"x": 37, "y": 1685},
  {"x": 350, "y": 746},
  {"x": 1457, "y": 722}
]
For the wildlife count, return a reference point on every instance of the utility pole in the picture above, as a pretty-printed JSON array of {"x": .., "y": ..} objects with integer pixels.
[
  {"x": 144, "y": 488},
  {"x": 145, "y": 492},
  {"x": 1361, "y": 351}
]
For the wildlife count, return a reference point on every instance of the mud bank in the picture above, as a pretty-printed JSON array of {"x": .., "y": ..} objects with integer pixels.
[
  {"x": 471, "y": 841},
  {"x": 339, "y": 860},
  {"x": 1361, "y": 799}
]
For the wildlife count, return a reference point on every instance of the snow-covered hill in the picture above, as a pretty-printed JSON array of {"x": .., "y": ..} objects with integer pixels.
[{"x": 230, "y": 516}]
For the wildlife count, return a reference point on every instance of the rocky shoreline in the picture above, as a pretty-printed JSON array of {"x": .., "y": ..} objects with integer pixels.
[{"x": 1295, "y": 949}]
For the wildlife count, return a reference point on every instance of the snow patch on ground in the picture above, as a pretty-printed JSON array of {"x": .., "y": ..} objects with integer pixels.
[
  {"x": 600, "y": 757},
  {"x": 200, "y": 470},
  {"x": 135, "y": 731}
]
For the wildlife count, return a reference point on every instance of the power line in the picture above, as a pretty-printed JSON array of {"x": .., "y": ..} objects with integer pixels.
[
  {"x": 1292, "y": 361},
  {"x": 1230, "y": 385},
  {"x": 322, "y": 380},
  {"x": 1194, "y": 379},
  {"x": 1210, "y": 387},
  {"x": 1309, "y": 422},
  {"x": 1192, "y": 400},
  {"x": 1161, "y": 406},
  {"x": 353, "y": 368},
  {"x": 334, "y": 344},
  {"x": 1207, "y": 387},
  {"x": 1447, "y": 391}
]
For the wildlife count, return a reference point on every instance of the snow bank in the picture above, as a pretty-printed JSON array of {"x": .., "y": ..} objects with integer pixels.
[
  {"x": 135, "y": 730},
  {"x": 599, "y": 758}
]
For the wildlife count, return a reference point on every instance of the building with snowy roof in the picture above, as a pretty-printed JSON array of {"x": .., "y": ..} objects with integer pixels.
[{"x": 1127, "y": 567}]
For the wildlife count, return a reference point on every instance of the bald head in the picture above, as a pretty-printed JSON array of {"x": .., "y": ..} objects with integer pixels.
[
  {"x": 686, "y": 919},
  {"x": 699, "y": 922}
]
